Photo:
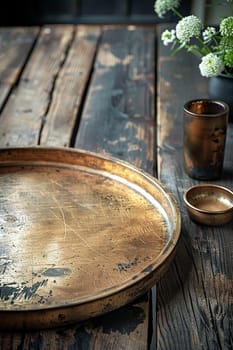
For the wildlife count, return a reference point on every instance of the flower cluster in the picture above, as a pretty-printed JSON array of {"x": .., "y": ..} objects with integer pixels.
[
  {"x": 214, "y": 46},
  {"x": 162, "y": 7}
]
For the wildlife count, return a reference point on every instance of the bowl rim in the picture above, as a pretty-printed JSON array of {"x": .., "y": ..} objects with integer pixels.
[{"x": 207, "y": 186}]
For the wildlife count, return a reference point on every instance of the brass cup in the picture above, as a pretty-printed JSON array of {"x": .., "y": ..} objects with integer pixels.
[{"x": 205, "y": 128}]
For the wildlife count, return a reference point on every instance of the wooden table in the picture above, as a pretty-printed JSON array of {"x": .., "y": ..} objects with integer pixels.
[{"x": 116, "y": 90}]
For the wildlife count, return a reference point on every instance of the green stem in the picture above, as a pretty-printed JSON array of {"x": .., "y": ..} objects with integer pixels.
[
  {"x": 177, "y": 13},
  {"x": 203, "y": 45},
  {"x": 195, "y": 52}
]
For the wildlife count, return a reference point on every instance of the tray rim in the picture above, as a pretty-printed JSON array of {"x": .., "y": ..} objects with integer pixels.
[{"x": 160, "y": 259}]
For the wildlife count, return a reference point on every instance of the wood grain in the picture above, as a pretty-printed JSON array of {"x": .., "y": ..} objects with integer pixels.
[
  {"x": 23, "y": 114},
  {"x": 118, "y": 116},
  {"x": 71, "y": 84},
  {"x": 195, "y": 297},
  {"x": 16, "y": 44}
]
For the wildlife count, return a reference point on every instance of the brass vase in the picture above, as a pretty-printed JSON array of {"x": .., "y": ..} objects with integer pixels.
[{"x": 205, "y": 128}]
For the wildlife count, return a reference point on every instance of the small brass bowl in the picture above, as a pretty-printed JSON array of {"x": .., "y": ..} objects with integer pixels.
[{"x": 209, "y": 204}]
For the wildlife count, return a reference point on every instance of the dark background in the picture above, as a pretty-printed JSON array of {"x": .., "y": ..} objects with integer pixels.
[{"x": 36, "y": 12}]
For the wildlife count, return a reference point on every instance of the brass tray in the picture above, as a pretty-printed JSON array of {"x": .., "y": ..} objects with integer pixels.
[{"x": 81, "y": 234}]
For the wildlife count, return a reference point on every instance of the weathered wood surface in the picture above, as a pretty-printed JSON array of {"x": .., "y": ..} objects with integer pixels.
[
  {"x": 15, "y": 46},
  {"x": 23, "y": 115},
  {"x": 35, "y": 113},
  {"x": 195, "y": 300},
  {"x": 121, "y": 98},
  {"x": 71, "y": 84}
]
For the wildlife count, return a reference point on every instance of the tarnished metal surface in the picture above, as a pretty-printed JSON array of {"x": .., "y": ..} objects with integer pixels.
[
  {"x": 81, "y": 234},
  {"x": 205, "y": 127},
  {"x": 209, "y": 204}
]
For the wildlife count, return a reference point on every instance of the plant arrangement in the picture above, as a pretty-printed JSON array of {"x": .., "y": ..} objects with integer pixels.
[{"x": 213, "y": 45}]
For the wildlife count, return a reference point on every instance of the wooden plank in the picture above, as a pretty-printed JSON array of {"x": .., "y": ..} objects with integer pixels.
[
  {"x": 23, "y": 114},
  {"x": 15, "y": 44},
  {"x": 70, "y": 88},
  {"x": 118, "y": 118},
  {"x": 4, "y": 91},
  {"x": 195, "y": 297}
]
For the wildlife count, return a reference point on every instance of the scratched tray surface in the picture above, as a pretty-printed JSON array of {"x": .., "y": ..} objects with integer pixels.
[{"x": 80, "y": 235}]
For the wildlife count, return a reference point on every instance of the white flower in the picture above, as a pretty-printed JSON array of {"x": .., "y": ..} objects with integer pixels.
[
  {"x": 211, "y": 65},
  {"x": 208, "y": 34},
  {"x": 168, "y": 36},
  {"x": 187, "y": 28},
  {"x": 163, "y": 6},
  {"x": 226, "y": 26}
]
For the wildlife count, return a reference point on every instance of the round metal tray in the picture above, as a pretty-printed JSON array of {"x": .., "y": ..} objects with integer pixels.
[{"x": 81, "y": 234}]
